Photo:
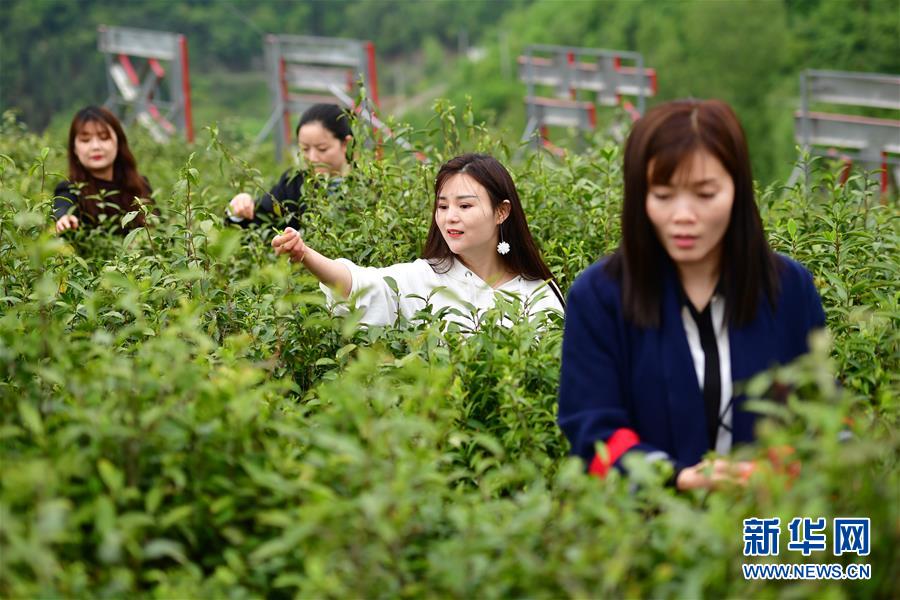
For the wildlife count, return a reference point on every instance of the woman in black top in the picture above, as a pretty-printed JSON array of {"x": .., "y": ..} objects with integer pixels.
[
  {"x": 323, "y": 135},
  {"x": 103, "y": 176}
]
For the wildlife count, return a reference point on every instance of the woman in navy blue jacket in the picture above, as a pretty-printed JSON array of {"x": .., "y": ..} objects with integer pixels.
[{"x": 691, "y": 302}]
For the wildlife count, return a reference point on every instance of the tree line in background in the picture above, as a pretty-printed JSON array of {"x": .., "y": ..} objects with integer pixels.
[
  {"x": 56, "y": 40},
  {"x": 747, "y": 53}
]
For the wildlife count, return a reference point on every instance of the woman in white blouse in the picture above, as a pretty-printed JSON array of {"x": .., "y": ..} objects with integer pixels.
[{"x": 478, "y": 246}]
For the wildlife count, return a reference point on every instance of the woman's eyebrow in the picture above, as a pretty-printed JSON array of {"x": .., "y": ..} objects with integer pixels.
[
  {"x": 459, "y": 197},
  {"x": 697, "y": 183}
]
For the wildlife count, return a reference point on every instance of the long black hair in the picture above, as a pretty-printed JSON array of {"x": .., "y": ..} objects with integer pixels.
[
  {"x": 524, "y": 259},
  {"x": 668, "y": 135}
]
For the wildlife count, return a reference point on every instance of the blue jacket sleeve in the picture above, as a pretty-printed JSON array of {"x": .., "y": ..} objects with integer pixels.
[
  {"x": 593, "y": 395},
  {"x": 813, "y": 302},
  {"x": 806, "y": 306}
]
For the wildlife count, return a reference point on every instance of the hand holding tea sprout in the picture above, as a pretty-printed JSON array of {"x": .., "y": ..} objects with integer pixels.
[
  {"x": 66, "y": 222},
  {"x": 243, "y": 206},
  {"x": 712, "y": 474},
  {"x": 289, "y": 242},
  {"x": 330, "y": 272}
]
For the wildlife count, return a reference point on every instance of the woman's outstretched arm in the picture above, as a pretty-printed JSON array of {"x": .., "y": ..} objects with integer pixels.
[{"x": 330, "y": 272}]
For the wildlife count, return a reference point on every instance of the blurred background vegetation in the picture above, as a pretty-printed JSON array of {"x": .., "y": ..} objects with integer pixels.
[{"x": 749, "y": 53}]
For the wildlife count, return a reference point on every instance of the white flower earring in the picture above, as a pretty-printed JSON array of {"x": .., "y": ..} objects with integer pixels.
[{"x": 502, "y": 247}]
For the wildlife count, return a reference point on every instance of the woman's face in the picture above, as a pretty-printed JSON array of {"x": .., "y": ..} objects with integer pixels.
[
  {"x": 323, "y": 152},
  {"x": 691, "y": 213},
  {"x": 465, "y": 217},
  {"x": 96, "y": 147}
]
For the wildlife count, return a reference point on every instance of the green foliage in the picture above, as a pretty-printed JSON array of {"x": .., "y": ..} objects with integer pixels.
[
  {"x": 182, "y": 416},
  {"x": 748, "y": 53}
]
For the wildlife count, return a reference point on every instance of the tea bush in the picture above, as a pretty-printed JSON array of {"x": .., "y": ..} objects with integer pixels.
[{"x": 181, "y": 416}]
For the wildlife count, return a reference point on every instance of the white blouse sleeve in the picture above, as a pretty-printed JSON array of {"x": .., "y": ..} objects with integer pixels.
[{"x": 374, "y": 296}]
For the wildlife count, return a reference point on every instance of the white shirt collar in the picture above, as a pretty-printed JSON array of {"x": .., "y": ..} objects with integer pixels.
[{"x": 464, "y": 274}]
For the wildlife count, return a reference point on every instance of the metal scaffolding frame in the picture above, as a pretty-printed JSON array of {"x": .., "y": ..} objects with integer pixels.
[
  {"x": 569, "y": 70},
  {"x": 140, "y": 97},
  {"x": 873, "y": 142},
  {"x": 306, "y": 70}
]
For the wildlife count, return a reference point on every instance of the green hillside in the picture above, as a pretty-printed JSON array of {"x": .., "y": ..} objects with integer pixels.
[{"x": 749, "y": 53}]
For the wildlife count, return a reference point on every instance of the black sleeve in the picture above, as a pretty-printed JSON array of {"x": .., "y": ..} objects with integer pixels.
[
  {"x": 65, "y": 201},
  {"x": 286, "y": 195}
]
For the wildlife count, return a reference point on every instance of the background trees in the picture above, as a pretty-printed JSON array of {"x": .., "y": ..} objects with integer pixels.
[{"x": 748, "y": 53}]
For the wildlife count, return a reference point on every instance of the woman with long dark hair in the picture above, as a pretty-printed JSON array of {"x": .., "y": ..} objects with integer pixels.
[
  {"x": 323, "y": 136},
  {"x": 693, "y": 301},
  {"x": 103, "y": 182},
  {"x": 478, "y": 244}
]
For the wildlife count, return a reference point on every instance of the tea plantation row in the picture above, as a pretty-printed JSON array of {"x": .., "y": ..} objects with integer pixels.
[{"x": 180, "y": 415}]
